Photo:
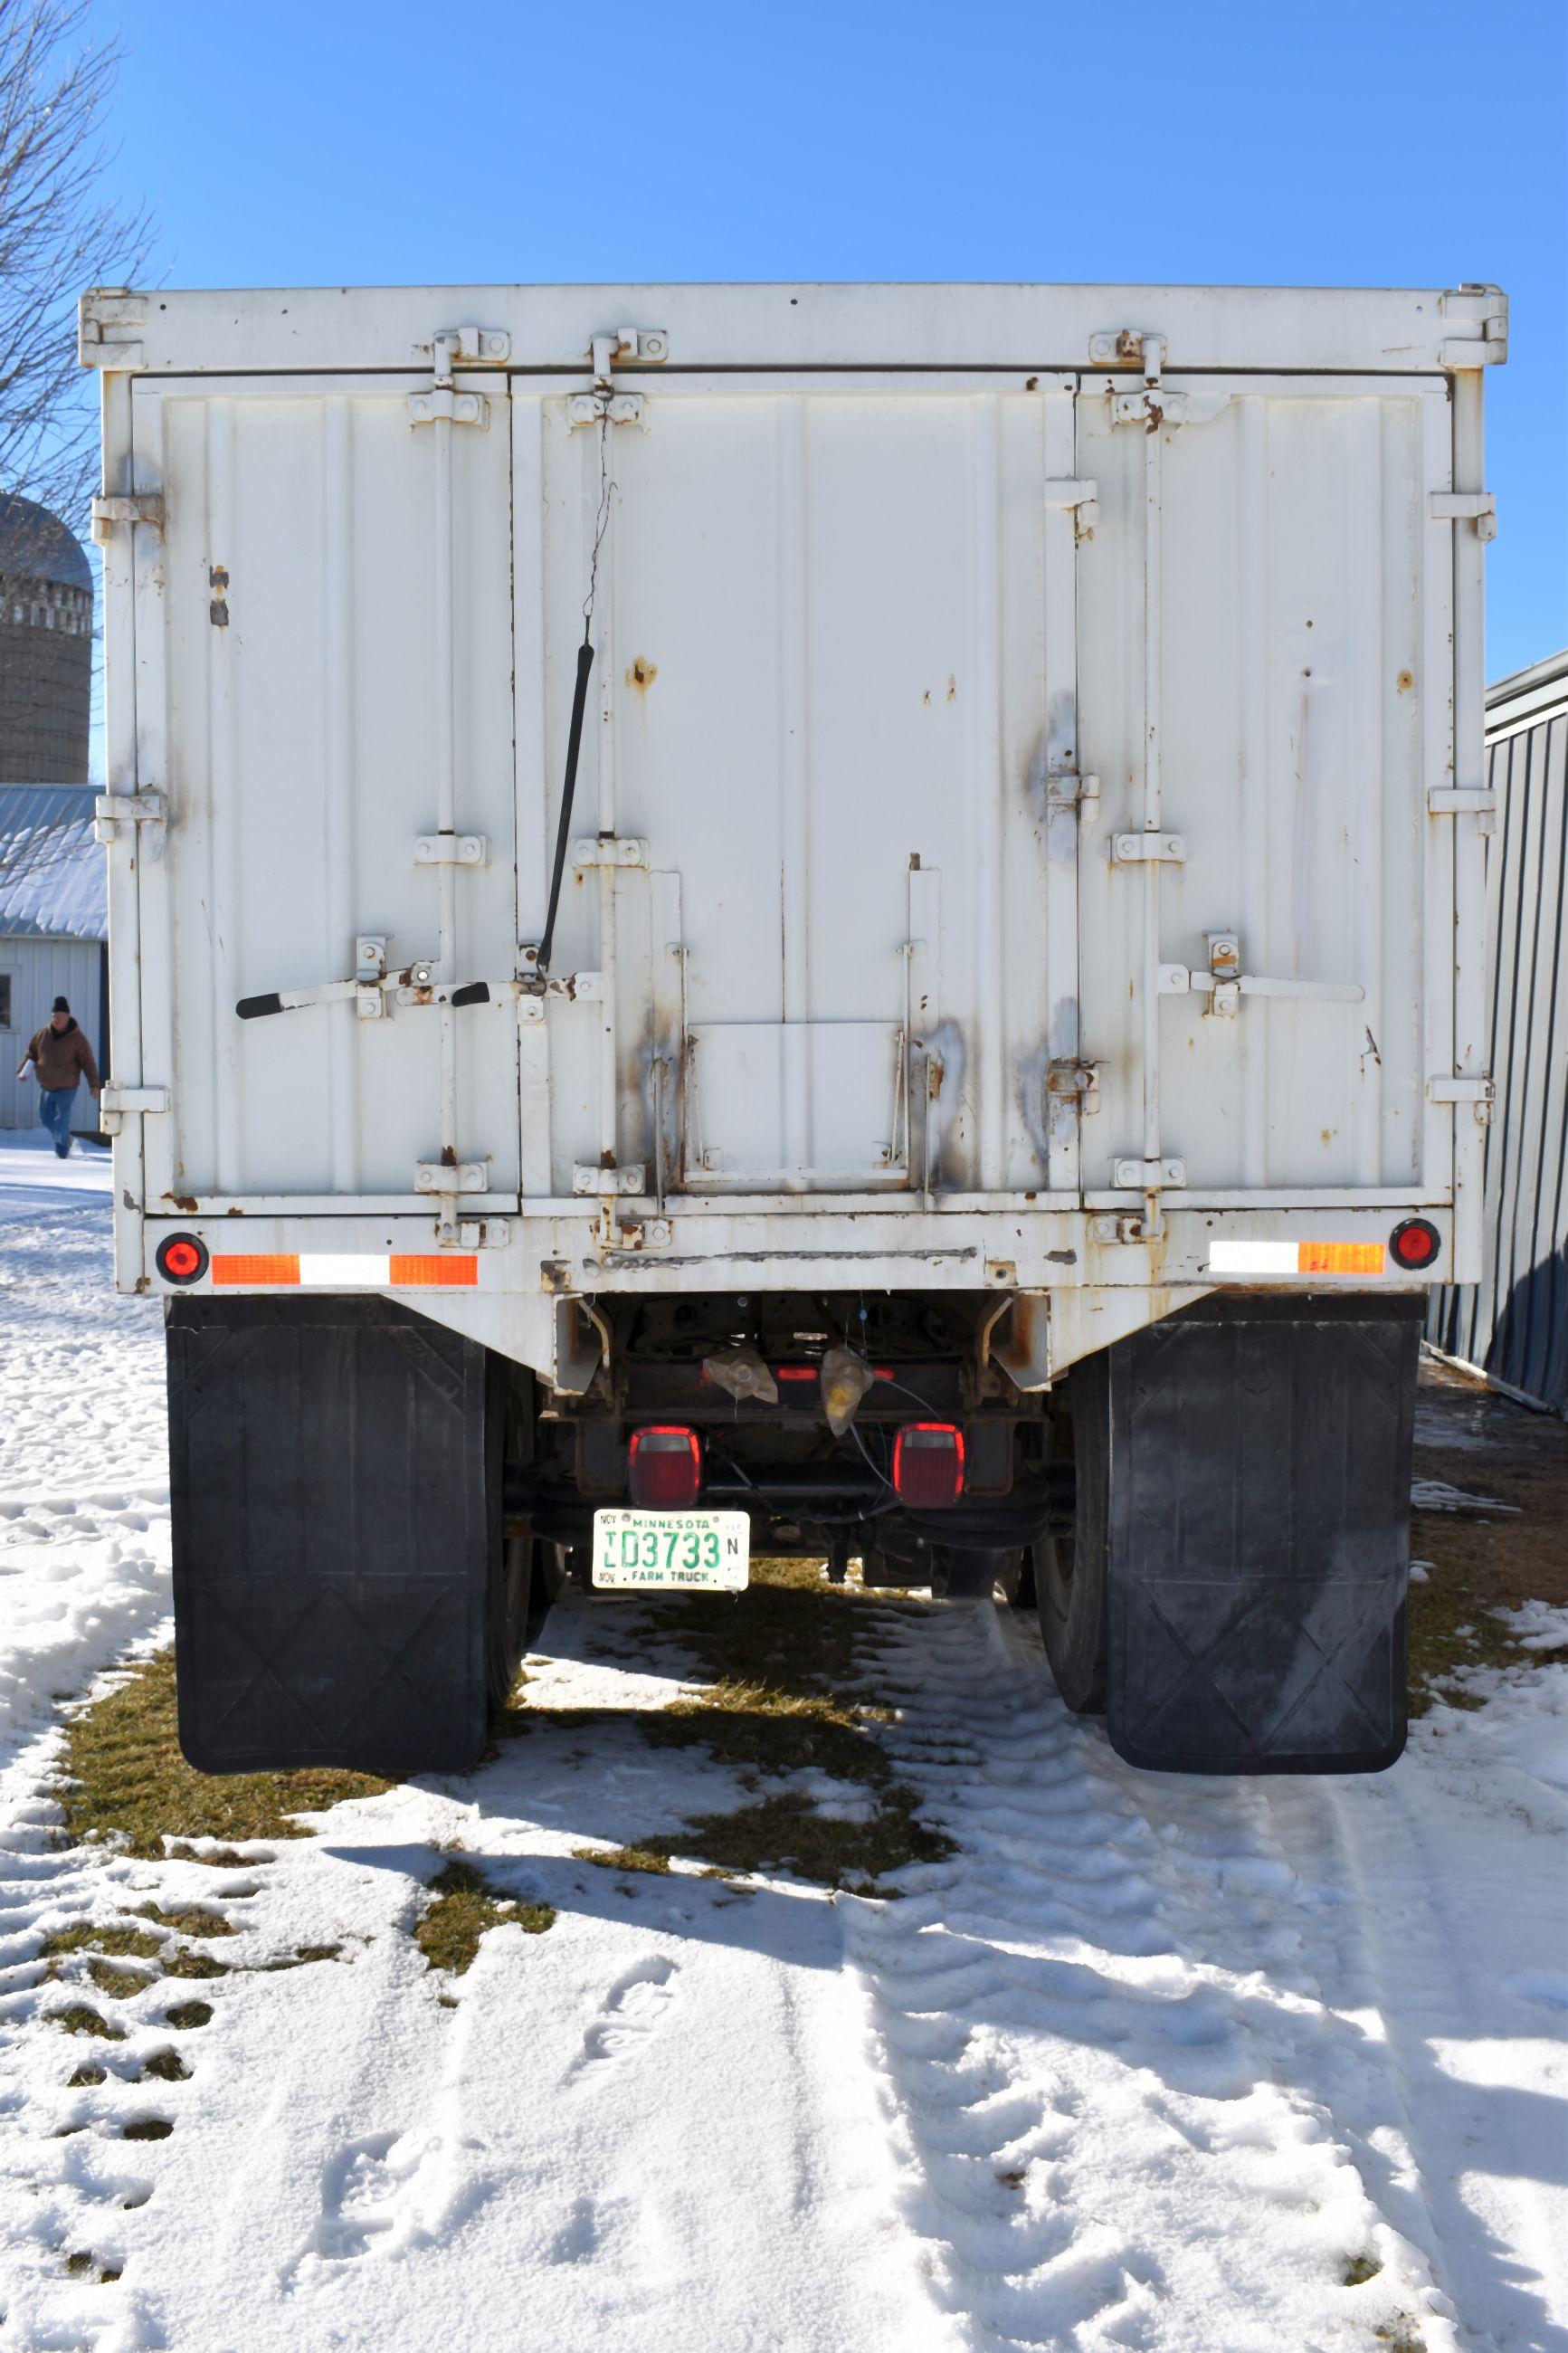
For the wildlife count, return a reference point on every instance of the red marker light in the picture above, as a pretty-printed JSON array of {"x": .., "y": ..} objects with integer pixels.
[
  {"x": 664, "y": 1469},
  {"x": 928, "y": 1464},
  {"x": 181, "y": 1259},
  {"x": 1415, "y": 1244}
]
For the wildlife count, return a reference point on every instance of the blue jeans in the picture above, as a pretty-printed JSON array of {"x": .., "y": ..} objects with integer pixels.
[{"x": 55, "y": 1105}]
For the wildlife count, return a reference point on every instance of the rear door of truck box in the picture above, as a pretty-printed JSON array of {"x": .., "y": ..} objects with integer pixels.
[{"x": 287, "y": 674}]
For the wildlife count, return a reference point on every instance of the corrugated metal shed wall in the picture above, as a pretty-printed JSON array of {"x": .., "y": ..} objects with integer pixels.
[{"x": 1513, "y": 1324}]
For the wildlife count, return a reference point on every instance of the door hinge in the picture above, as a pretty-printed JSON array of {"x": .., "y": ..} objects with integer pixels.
[
  {"x": 1484, "y": 310},
  {"x": 455, "y": 347},
  {"x": 1083, "y": 498},
  {"x": 1065, "y": 790},
  {"x": 1139, "y": 849},
  {"x": 1119, "y": 347},
  {"x": 1477, "y": 507},
  {"x": 111, "y": 810},
  {"x": 607, "y": 408},
  {"x": 101, "y": 320},
  {"x": 1465, "y": 800},
  {"x": 1076, "y": 1078},
  {"x": 112, "y": 513},
  {"x": 116, "y": 1103},
  {"x": 619, "y": 346},
  {"x": 1452, "y": 1087}
]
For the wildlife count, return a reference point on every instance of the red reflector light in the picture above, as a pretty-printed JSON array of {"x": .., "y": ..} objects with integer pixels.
[
  {"x": 1415, "y": 1244},
  {"x": 664, "y": 1469},
  {"x": 798, "y": 1372},
  {"x": 928, "y": 1464},
  {"x": 181, "y": 1257}
]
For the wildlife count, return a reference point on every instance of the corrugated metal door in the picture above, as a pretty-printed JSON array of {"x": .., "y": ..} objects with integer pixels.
[
  {"x": 290, "y": 616},
  {"x": 1292, "y": 683},
  {"x": 835, "y": 679}
]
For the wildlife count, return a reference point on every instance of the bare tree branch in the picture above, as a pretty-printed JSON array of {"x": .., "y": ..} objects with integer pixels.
[{"x": 58, "y": 235}]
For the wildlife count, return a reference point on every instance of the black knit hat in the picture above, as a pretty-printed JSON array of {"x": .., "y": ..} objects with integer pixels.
[{"x": 60, "y": 1006}]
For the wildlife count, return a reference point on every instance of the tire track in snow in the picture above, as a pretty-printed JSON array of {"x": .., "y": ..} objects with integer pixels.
[{"x": 1124, "y": 2112}]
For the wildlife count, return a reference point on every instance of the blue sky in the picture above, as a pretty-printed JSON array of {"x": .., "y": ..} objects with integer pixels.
[{"x": 1387, "y": 142}]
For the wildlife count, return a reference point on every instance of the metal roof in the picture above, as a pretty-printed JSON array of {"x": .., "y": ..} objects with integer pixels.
[{"x": 53, "y": 879}]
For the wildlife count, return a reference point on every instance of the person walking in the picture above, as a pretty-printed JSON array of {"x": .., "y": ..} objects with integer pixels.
[{"x": 62, "y": 1057}]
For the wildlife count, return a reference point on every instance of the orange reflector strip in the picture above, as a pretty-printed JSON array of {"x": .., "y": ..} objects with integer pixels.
[
  {"x": 1339, "y": 1257},
  {"x": 262, "y": 1266},
  {"x": 448, "y": 1269}
]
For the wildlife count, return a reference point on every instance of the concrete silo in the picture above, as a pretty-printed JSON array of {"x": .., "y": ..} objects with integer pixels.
[{"x": 46, "y": 647}]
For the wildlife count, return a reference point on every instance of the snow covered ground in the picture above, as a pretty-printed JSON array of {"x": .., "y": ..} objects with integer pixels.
[{"x": 1194, "y": 2066}]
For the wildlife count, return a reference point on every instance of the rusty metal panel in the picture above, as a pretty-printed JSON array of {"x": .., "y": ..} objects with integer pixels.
[{"x": 1513, "y": 1323}]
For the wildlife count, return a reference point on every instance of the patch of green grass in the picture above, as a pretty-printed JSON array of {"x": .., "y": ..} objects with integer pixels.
[
  {"x": 83, "y": 1938},
  {"x": 90, "y": 2073},
  {"x": 125, "y": 1779},
  {"x": 82, "y": 2266},
  {"x": 624, "y": 1858},
  {"x": 1449, "y": 1631},
  {"x": 301, "y": 1956},
  {"x": 166, "y": 2067},
  {"x": 462, "y": 1908},
  {"x": 80, "y": 2018},
  {"x": 119, "y": 1984},
  {"x": 788, "y": 1685},
  {"x": 148, "y": 2128},
  {"x": 188, "y": 1920},
  {"x": 1401, "y": 2335},
  {"x": 1359, "y": 2270},
  {"x": 187, "y": 2014},
  {"x": 184, "y": 1963}
]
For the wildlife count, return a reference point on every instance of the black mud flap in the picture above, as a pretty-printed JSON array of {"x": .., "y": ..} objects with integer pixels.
[
  {"x": 334, "y": 1474},
  {"x": 1259, "y": 1534}
]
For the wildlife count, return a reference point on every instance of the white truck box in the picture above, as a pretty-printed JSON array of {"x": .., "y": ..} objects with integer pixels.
[{"x": 1027, "y": 835}]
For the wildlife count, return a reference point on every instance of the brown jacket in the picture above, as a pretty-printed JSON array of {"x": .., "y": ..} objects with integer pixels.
[{"x": 63, "y": 1056}]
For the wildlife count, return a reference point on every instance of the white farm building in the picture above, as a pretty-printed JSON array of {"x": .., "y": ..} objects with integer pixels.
[{"x": 53, "y": 922}]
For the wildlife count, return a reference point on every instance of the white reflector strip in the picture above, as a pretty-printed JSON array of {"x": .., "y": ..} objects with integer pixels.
[
  {"x": 342, "y": 1270},
  {"x": 1253, "y": 1257}
]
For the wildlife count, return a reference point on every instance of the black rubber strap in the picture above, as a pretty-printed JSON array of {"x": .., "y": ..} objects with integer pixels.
[
  {"x": 477, "y": 992},
  {"x": 563, "y": 830},
  {"x": 250, "y": 1008}
]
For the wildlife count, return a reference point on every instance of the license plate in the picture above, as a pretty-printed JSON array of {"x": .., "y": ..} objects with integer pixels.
[{"x": 695, "y": 1549}]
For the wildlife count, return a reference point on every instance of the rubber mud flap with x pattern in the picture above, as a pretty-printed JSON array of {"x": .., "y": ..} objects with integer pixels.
[
  {"x": 1259, "y": 1534},
  {"x": 335, "y": 1496}
]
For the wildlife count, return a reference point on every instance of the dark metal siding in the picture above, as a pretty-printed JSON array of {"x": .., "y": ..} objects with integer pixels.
[{"x": 1513, "y": 1324}]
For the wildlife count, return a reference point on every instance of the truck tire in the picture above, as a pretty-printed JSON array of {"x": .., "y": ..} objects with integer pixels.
[
  {"x": 1070, "y": 1565},
  {"x": 508, "y": 1618}
]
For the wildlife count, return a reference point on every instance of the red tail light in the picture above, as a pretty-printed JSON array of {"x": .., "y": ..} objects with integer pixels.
[
  {"x": 928, "y": 1464},
  {"x": 1415, "y": 1244},
  {"x": 664, "y": 1469},
  {"x": 181, "y": 1257}
]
